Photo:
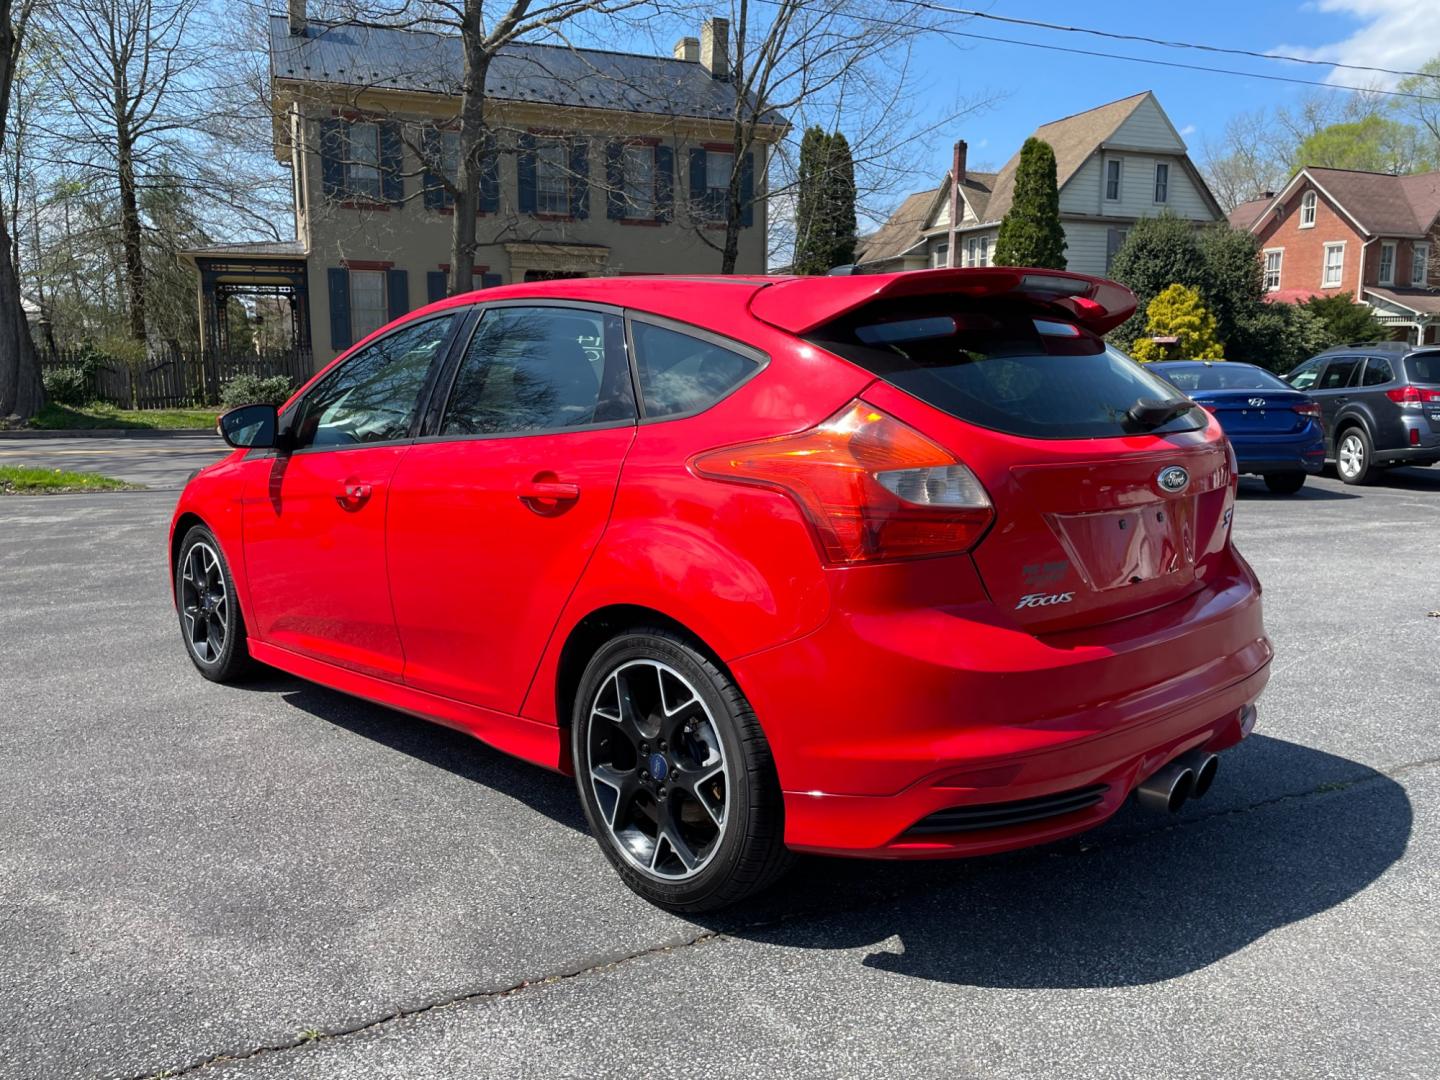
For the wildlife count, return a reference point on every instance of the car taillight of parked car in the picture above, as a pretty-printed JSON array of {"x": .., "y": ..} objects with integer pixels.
[
  {"x": 1413, "y": 397},
  {"x": 872, "y": 487},
  {"x": 1308, "y": 408}
]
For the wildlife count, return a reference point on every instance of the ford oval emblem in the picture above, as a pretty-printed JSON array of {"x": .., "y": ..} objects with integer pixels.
[{"x": 1173, "y": 479}]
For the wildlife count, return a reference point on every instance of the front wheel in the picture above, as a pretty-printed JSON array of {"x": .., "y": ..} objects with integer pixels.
[
  {"x": 1354, "y": 457},
  {"x": 1287, "y": 483},
  {"x": 210, "y": 620},
  {"x": 675, "y": 775}
]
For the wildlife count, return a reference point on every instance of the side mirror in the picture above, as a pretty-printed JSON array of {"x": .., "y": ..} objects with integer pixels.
[{"x": 250, "y": 426}]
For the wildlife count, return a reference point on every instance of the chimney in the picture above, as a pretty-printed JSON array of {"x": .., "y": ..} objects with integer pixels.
[
  {"x": 957, "y": 177},
  {"x": 688, "y": 49},
  {"x": 715, "y": 47},
  {"x": 296, "y": 17}
]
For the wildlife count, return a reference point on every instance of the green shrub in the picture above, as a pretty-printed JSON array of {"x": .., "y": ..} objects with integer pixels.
[
  {"x": 256, "y": 390},
  {"x": 69, "y": 385}
]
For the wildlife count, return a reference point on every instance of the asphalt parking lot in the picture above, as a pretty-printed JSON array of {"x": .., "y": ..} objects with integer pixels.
[{"x": 279, "y": 881}]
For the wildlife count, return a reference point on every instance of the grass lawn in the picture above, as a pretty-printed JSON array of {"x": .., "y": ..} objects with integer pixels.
[
  {"x": 25, "y": 480},
  {"x": 54, "y": 417}
]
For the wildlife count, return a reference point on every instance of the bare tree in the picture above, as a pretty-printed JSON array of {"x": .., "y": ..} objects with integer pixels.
[{"x": 21, "y": 393}]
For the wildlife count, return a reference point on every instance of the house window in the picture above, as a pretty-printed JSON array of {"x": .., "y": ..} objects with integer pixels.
[
  {"x": 1420, "y": 265},
  {"x": 362, "y": 160},
  {"x": 984, "y": 251},
  {"x": 719, "y": 164},
  {"x": 940, "y": 256},
  {"x": 1112, "y": 180},
  {"x": 1387, "y": 264},
  {"x": 1334, "y": 265},
  {"x": 552, "y": 179},
  {"x": 1162, "y": 181},
  {"x": 637, "y": 164},
  {"x": 1273, "y": 259},
  {"x": 367, "y": 302},
  {"x": 1307, "y": 210}
]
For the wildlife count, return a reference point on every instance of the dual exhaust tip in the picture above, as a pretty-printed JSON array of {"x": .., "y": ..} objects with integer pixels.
[{"x": 1187, "y": 777}]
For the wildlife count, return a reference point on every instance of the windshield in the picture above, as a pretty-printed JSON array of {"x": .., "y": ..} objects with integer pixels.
[
  {"x": 1424, "y": 367},
  {"x": 1007, "y": 366},
  {"x": 1219, "y": 376}
]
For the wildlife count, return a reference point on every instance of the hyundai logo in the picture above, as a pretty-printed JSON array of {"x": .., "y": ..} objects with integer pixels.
[
  {"x": 1257, "y": 402},
  {"x": 1173, "y": 479}
]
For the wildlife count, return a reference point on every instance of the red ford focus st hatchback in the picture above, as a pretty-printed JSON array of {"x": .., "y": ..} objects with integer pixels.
[{"x": 898, "y": 566}]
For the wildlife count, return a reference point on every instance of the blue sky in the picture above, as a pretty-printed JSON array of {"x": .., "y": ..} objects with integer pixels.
[{"x": 1035, "y": 86}]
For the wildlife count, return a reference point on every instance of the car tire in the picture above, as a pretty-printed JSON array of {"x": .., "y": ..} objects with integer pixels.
[
  {"x": 675, "y": 775},
  {"x": 211, "y": 623},
  {"x": 1285, "y": 483},
  {"x": 1354, "y": 456}
]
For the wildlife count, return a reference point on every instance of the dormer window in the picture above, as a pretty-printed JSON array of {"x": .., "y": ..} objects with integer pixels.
[{"x": 1307, "y": 210}]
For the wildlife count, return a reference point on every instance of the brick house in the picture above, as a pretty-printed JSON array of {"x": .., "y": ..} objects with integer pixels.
[
  {"x": 601, "y": 163},
  {"x": 1371, "y": 235},
  {"x": 1114, "y": 164}
]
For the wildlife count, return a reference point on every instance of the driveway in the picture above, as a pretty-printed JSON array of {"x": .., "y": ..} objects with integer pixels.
[
  {"x": 280, "y": 881},
  {"x": 155, "y": 461}
]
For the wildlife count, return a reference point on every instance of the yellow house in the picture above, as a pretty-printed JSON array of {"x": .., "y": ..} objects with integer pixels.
[{"x": 601, "y": 163}]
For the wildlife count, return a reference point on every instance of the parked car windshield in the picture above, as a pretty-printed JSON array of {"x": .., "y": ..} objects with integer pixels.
[
  {"x": 1192, "y": 377},
  {"x": 1424, "y": 367},
  {"x": 1009, "y": 367}
]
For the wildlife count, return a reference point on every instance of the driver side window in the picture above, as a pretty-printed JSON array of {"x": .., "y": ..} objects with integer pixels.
[
  {"x": 1304, "y": 376},
  {"x": 372, "y": 397}
]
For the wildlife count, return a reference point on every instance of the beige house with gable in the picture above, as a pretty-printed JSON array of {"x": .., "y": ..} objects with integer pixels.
[
  {"x": 1114, "y": 164},
  {"x": 601, "y": 163}
]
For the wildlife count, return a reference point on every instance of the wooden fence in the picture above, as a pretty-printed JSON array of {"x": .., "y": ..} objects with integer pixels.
[{"x": 178, "y": 381}]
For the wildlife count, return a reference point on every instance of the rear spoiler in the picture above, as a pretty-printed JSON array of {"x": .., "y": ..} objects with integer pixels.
[{"x": 801, "y": 304}]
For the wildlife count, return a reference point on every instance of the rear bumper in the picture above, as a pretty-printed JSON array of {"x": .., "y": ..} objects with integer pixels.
[
  {"x": 1258, "y": 456},
  {"x": 878, "y": 720}
]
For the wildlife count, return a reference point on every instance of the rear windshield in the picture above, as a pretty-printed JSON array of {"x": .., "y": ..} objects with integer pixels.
[
  {"x": 1221, "y": 376},
  {"x": 1424, "y": 367},
  {"x": 1007, "y": 367}
]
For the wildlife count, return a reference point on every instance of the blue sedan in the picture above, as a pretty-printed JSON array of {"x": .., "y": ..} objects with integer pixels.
[{"x": 1274, "y": 428}]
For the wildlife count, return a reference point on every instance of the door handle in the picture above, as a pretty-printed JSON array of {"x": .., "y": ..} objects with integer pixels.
[
  {"x": 353, "y": 495},
  {"x": 548, "y": 491}
]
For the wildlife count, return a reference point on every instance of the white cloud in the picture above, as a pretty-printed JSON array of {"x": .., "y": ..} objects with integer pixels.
[
  {"x": 1188, "y": 129},
  {"x": 1393, "y": 34}
]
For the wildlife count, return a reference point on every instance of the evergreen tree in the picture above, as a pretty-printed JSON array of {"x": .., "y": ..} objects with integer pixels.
[
  {"x": 1158, "y": 252},
  {"x": 825, "y": 210},
  {"x": 1346, "y": 322},
  {"x": 1178, "y": 312},
  {"x": 1030, "y": 234}
]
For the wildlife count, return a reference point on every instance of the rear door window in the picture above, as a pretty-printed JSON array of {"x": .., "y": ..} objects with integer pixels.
[
  {"x": 1339, "y": 373},
  {"x": 1424, "y": 367},
  {"x": 682, "y": 373},
  {"x": 1007, "y": 367}
]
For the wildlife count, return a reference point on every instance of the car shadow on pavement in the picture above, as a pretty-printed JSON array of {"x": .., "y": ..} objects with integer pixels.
[
  {"x": 1139, "y": 900},
  {"x": 1287, "y": 833},
  {"x": 1254, "y": 488}
]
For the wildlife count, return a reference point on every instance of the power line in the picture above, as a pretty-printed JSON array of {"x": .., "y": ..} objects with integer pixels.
[
  {"x": 1169, "y": 44},
  {"x": 923, "y": 4}
]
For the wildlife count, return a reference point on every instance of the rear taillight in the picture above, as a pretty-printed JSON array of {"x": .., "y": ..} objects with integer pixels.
[
  {"x": 1308, "y": 408},
  {"x": 871, "y": 486},
  {"x": 1412, "y": 397}
]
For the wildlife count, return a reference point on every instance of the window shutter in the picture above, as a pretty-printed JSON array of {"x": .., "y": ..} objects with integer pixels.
[
  {"x": 747, "y": 191},
  {"x": 489, "y": 281},
  {"x": 435, "y": 194},
  {"x": 699, "y": 203},
  {"x": 435, "y": 285},
  {"x": 392, "y": 163},
  {"x": 332, "y": 158},
  {"x": 525, "y": 173},
  {"x": 580, "y": 179},
  {"x": 490, "y": 175},
  {"x": 339, "y": 280},
  {"x": 664, "y": 183},
  {"x": 614, "y": 180},
  {"x": 397, "y": 288}
]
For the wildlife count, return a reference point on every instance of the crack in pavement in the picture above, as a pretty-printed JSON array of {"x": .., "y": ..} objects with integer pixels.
[{"x": 594, "y": 966}]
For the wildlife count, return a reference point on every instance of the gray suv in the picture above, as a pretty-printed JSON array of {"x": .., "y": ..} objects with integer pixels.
[{"x": 1379, "y": 404}]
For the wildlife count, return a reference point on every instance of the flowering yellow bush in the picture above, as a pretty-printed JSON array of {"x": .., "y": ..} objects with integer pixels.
[{"x": 1178, "y": 313}]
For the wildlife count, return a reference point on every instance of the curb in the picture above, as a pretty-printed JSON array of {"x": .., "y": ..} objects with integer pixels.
[{"x": 109, "y": 433}]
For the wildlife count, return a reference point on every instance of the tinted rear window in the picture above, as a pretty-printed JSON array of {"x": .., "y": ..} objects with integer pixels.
[
  {"x": 1424, "y": 367},
  {"x": 1006, "y": 367},
  {"x": 1221, "y": 376}
]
